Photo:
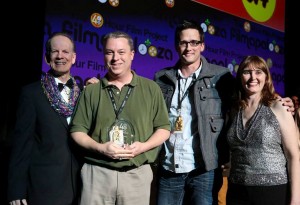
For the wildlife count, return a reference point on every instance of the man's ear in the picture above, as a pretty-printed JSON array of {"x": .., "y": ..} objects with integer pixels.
[{"x": 202, "y": 47}]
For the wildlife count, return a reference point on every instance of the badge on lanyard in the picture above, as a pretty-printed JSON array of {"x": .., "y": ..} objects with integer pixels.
[
  {"x": 121, "y": 131},
  {"x": 179, "y": 123}
]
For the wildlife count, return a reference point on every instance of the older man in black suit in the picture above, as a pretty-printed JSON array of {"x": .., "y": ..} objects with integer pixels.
[{"x": 43, "y": 166}]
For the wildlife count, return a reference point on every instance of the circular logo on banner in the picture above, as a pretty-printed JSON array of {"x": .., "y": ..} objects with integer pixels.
[
  {"x": 260, "y": 10},
  {"x": 211, "y": 29},
  {"x": 247, "y": 26},
  {"x": 152, "y": 51},
  {"x": 114, "y": 3},
  {"x": 142, "y": 49},
  {"x": 96, "y": 20},
  {"x": 170, "y": 3}
]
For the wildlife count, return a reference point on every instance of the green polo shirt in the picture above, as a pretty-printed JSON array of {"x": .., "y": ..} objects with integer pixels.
[{"x": 145, "y": 109}]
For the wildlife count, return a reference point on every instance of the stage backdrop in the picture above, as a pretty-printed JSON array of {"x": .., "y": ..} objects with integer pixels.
[{"x": 233, "y": 29}]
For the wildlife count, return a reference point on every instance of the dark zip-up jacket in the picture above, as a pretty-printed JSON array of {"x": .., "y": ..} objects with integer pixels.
[{"x": 212, "y": 97}]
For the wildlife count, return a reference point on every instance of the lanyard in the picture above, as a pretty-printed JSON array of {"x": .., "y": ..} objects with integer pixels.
[
  {"x": 110, "y": 92},
  {"x": 180, "y": 99}
]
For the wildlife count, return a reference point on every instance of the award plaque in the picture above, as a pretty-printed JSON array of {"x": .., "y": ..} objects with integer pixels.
[{"x": 121, "y": 132}]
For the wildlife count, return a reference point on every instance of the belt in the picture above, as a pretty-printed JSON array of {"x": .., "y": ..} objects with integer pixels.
[
  {"x": 193, "y": 173},
  {"x": 120, "y": 169}
]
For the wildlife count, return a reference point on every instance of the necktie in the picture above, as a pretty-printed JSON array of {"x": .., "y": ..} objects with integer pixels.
[{"x": 69, "y": 83}]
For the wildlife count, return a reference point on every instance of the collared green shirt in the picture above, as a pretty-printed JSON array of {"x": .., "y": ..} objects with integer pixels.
[{"x": 145, "y": 109}]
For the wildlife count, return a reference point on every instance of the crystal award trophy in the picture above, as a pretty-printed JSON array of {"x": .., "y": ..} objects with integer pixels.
[{"x": 121, "y": 132}]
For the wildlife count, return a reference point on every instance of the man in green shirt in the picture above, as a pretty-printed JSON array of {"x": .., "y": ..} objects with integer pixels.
[{"x": 121, "y": 122}]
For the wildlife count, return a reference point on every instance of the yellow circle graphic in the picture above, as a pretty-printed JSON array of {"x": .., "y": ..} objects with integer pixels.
[
  {"x": 211, "y": 29},
  {"x": 260, "y": 10},
  {"x": 152, "y": 51}
]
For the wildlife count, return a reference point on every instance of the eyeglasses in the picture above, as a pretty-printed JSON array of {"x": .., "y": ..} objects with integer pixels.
[{"x": 193, "y": 43}]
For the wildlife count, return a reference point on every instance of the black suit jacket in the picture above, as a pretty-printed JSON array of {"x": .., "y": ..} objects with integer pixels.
[{"x": 44, "y": 167}]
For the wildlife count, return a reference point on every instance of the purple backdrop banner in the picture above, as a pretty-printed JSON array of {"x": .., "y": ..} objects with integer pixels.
[{"x": 152, "y": 25}]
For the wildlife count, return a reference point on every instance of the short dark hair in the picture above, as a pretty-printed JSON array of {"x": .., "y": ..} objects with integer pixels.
[{"x": 188, "y": 24}]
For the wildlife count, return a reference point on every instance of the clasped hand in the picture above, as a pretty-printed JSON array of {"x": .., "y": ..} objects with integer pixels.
[{"x": 116, "y": 151}]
